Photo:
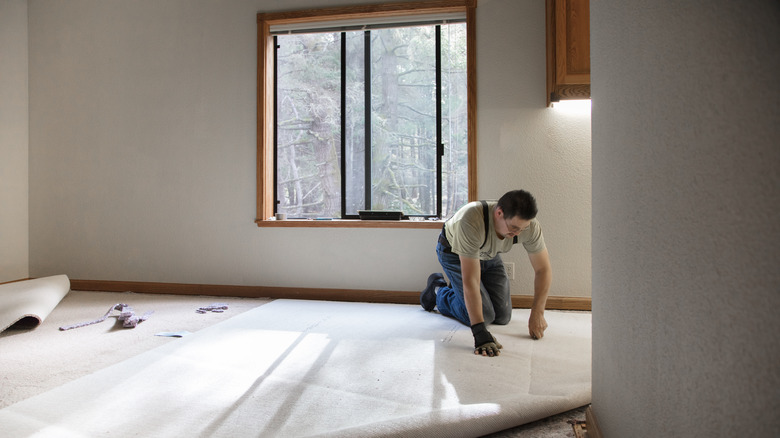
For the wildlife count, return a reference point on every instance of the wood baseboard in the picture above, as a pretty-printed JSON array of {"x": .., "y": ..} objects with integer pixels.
[
  {"x": 355, "y": 295},
  {"x": 591, "y": 424},
  {"x": 16, "y": 281},
  {"x": 553, "y": 302}
]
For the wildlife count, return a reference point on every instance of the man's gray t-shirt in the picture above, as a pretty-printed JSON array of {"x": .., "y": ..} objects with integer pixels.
[{"x": 466, "y": 231}]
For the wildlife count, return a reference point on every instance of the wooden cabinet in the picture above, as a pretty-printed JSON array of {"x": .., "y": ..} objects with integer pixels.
[{"x": 568, "y": 49}]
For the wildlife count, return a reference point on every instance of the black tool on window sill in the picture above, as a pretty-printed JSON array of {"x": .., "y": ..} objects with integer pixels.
[{"x": 380, "y": 215}]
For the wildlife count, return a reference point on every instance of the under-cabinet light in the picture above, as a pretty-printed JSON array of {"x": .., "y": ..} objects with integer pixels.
[{"x": 579, "y": 106}]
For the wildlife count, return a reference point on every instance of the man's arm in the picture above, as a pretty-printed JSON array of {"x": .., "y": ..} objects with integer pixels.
[
  {"x": 484, "y": 342},
  {"x": 540, "y": 262},
  {"x": 470, "y": 269}
]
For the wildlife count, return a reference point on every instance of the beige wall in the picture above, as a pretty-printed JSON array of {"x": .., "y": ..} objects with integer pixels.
[
  {"x": 686, "y": 236},
  {"x": 14, "y": 246},
  {"x": 142, "y": 149}
]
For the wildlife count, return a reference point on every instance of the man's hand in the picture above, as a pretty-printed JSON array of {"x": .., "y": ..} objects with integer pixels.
[
  {"x": 537, "y": 324},
  {"x": 484, "y": 343},
  {"x": 489, "y": 349}
]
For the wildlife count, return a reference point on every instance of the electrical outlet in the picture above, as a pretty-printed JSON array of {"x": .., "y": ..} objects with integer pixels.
[{"x": 510, "y": 270}]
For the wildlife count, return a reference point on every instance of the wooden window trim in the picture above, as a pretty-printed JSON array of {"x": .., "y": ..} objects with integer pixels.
[{"x": 265, "y": 86}]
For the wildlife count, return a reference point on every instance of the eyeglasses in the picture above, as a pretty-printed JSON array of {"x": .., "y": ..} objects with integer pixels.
[{"x": 513, "y": 229}]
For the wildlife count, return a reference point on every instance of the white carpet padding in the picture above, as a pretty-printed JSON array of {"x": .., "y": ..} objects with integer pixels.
[
  {"x": 311, "y": 368},
  {"x": 31, "y": 301}
]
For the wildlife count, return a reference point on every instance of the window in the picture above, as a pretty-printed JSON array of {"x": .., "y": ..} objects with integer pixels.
[{"x": 366, "y": 108}]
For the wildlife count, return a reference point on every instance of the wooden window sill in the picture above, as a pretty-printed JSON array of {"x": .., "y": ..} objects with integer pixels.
[{"x": 348, "y": 223}]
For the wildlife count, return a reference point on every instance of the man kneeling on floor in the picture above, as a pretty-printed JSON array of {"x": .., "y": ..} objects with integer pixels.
[{"x": 468, "y": 248}]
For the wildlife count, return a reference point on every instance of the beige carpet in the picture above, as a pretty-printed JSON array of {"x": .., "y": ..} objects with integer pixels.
[
  {"x": 306, "y": 368},
  {"x": 35, "y": 360},
  {"x": 26, "y": 304}
]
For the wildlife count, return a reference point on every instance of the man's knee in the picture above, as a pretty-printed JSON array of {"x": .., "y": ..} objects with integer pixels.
[
  {"x": 503, "y": 318},
  {"x": 488, "y": 314}
]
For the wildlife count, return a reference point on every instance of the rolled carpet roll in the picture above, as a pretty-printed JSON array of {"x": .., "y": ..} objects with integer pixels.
[{"x": 27, "y": 303}]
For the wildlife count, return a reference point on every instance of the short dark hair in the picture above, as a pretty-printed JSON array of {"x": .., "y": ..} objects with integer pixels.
[{"x": 518, "y": 203}]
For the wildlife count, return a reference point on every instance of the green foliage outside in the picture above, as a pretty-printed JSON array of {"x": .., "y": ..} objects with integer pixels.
[{"x": 402, "y": 116}]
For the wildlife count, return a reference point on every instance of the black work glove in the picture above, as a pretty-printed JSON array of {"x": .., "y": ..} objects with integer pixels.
[{"x": 484, "y": 343}]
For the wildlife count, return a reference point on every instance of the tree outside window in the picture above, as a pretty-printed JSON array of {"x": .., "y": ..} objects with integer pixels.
[{"x": 356, "y": 133}]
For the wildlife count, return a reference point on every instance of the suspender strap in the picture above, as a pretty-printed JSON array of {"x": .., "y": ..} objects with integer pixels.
[{"x": 487, "y": 221}]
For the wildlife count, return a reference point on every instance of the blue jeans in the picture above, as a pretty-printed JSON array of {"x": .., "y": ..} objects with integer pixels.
[{"x": 494, "y": 288}]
